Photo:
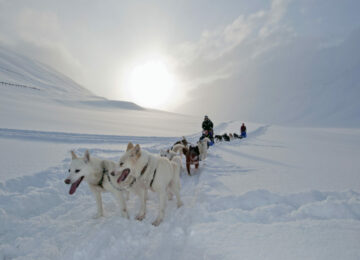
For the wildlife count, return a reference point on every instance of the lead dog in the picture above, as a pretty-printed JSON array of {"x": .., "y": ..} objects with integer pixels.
[
  {"x": 94, "y": 172},
  {"x": 139, "y": 171}
]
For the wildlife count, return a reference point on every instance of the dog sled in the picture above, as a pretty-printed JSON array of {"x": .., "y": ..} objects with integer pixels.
[{"x": 208, "y": 134}]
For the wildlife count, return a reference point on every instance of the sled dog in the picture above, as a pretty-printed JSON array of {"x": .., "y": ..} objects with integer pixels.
[
  {"x": 192, "y": 155},
  {"x": 218, "y": 138},
  {"x": 226, "y": 137},
  {"x": 236, "y": 136},
  {"x": 96, "y": 173},
  {"x": 183, "y": 141},
  {"x": 171, "y": 153},
  {"x": 139, "y": 171},
  {"x": 203, "y": 146}
]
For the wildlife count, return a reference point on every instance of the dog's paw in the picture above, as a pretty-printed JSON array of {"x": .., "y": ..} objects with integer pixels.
[
  {"x": 180, "y": 204},
  {"x": 157, "y": 222},
  {"x": 125, "y": 214},
  {"x": 140, "y": 217},
  {"x": 98, "y": 215}
]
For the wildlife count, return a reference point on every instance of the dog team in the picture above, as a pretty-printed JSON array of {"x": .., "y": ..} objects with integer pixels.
[
  {"x": 230, "y": 136},
  {"x": 137, "y": 171}
]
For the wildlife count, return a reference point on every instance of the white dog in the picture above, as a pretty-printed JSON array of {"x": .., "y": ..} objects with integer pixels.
[
  {"x": 203, "y": 147},
  {"x": 139, "y": 170},
  {"x": 171, "y": 153},
  {"x": 96, "y": 173}
]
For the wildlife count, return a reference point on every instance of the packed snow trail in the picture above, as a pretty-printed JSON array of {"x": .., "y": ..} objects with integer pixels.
[{"x": 39, "y": 220}]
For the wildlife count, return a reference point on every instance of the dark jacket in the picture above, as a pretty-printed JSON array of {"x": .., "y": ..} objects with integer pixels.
[
  {"x": 207, "y": 125},
  {"x": 243, "y": 129}
]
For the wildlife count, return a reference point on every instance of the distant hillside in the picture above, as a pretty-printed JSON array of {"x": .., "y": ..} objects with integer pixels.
[
  {"x": 18, "y": 69},
  {"x": 20, "y": 72},
  {"x": 33, "y": 96}
]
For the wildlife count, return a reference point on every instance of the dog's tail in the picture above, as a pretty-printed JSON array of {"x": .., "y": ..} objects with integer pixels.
[{"x": 177, "y": 148}]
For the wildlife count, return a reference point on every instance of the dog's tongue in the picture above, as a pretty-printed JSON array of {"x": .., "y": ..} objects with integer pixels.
[
  {"x": 123, "y": 175},
  {"x": 75, "y": 185}
]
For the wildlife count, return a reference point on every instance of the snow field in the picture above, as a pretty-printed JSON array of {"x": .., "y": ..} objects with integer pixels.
[{"x": 39, "y": 220}]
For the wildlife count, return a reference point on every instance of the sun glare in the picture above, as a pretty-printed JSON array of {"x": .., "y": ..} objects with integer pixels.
[{"x": 151, "y": 85}]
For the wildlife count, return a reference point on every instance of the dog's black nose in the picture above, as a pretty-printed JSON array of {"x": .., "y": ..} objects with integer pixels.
[
  {"x": 67, "y": 181},
  {"x": 112, "y": 173}
]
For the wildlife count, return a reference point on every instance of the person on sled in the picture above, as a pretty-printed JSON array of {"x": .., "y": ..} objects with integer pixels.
[
  {"x": 208, "y": 131},
  {"x": 243, "y": 130}
]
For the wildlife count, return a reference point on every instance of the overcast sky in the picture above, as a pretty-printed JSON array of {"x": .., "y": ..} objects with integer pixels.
[{"x": 204, "y": 43}]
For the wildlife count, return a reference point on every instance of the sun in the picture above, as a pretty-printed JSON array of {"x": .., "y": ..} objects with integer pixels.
[{"x": 151, "y": 85}]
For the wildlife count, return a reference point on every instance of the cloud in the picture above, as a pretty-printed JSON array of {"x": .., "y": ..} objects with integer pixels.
[
  {"x": 219, "y": 52},
  {"x": 273, "y": 74}
]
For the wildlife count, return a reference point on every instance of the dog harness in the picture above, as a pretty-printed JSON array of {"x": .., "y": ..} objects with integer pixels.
[
  {"x": 100, "y": 183},
  {"x": 142, "y": 173}
]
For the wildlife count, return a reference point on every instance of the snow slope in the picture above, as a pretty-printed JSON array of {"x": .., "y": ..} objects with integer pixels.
[
  {"x": 45, "y": 100},
  {"x": 265, "y": 197}
]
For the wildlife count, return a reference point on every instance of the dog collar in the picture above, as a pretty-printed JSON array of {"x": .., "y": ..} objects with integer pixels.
[
  {"x": 109, "y": 179},
  {"x": 141, "y": 173}
]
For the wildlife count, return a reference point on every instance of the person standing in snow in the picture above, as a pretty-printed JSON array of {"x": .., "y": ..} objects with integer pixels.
[
  {"x": 243, "y": 130},
  {"x": 207, "y": 125}
]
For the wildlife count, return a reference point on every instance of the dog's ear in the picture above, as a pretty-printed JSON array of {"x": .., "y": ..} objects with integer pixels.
[
  {"x": 137, "y": 151},
  {"x": 87, "y": 156},
  {"x": 185, "y": 151},
  {"x": 73, "y": 155},
  {"x": 130, "y": 146}
]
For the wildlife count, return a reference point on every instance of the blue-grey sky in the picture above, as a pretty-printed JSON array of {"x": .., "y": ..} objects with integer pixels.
[{"x": 207, "y": 45}]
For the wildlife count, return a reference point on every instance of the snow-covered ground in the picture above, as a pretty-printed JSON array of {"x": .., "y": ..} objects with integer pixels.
[{"x": 282, "y": 193}]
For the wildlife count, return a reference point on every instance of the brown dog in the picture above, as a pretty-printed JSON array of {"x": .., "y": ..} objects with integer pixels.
[{"x": 192, "y": 155}]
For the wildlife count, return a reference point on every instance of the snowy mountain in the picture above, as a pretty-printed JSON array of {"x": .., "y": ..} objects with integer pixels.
[
  {"x": 18, "y": 69},
  {"x": 36, "y": 97}
]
